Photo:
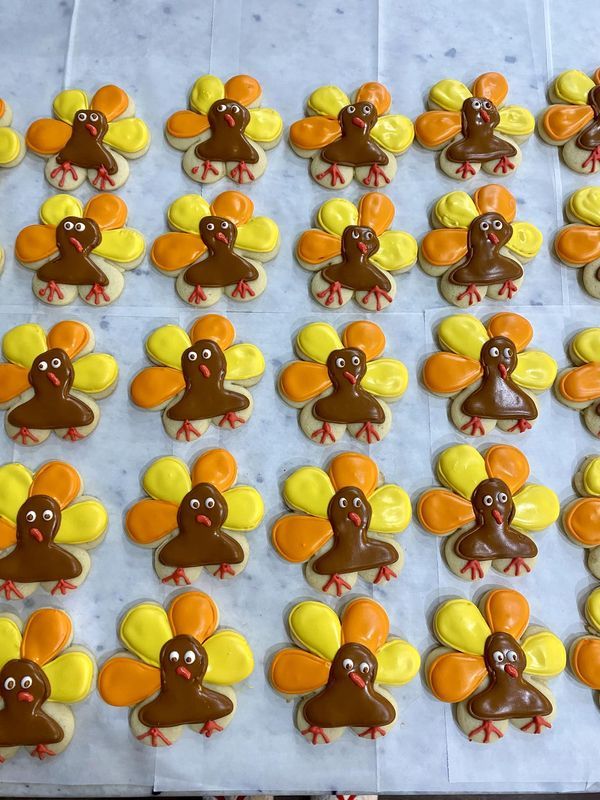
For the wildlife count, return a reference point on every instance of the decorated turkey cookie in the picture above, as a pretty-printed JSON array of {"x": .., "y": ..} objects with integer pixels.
[
  {"x": 195, "y": 518},
  {"x": 578, "y": 245},
  {"x": 584, "y": 653},
  {"x": 477, "y": 249},
  {"x": 351, "y": 138},
  {"x": 493, "y": 664},
  {"x": 573, "y": 120},
  {"x": 200, "y": 378},
  {"x": 580, "y": 517},
  {"x": 216, "y": 249},
  {"x": 577, "y": 387},
  {"x": 352, "y": 252},
  {"x": 226, "y": 132},
  {"x": 338, "y": 667},
  {"x": 12, "y": 144},
  {"x": 341, "y": 383},
  {"x": 50, "y": 380},
  {"x": 92, "y": 140},
  {"x": 80, "y": 250},
  {"x": 489, "y": 373},
  {"x": 488, "y": 511},
  {"x": 47, "y": 526},
  {"x": 41, "y": 675},
  {"x": 181, "y": 672},
  {"x": 474, "y": 129},
  {"x": 346, "y": 526}
]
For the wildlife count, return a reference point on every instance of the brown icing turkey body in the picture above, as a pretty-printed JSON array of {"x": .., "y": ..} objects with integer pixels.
[
  {"x": 85, "y": 147},
  {"x": 228, "y": 120},
  {"x": 355, "y": 148},
  {"x": 356, "y": 271},
  {"x": 484, "y": 264},
  {"x": 349, "y": 403},
  {"x": 479, "y": 118},
  {"x": 75, "y": 239},
  {"x": 24, "y": 688},
  {"x": 222, "y": 266}
]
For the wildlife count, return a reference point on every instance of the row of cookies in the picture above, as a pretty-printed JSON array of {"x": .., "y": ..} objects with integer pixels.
[
  {"x": 226, "y": 131},
  {"x": 476, "y": 248}
]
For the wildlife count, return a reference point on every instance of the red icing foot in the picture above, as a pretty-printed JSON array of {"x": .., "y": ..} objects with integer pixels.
[
  {"x": 66, "y": 168},
  {"x": 209, "y": 728},
  {"x": 230, "y": 418},
  {"x": 188, "y": 430},
  {"x": 73, "y": 435},
  {"x": 25, "y": 434},
  {"x": 386, "y": 573},
  {"x": 155, "y": 734},
  {"x": 476, "y": 426},
  {"x": 51, "y": 289},
  {"x": 510, "y": 289},
  {"x": 517, "y": 564},
  {"x": 102, "y": 178},
  {"x": 222, "y": 570},
  {"x": 592, "y": 160},
  {"x": 197, "y": 295},
  {"x": 339, "y": 582},
  {"x": 370, "y": 433},
  {"x": 324, "y": 432},
  {"x": 206, "y": 168},
  {"x": 504, "y": 164},
  {"x": 63, "y": 587},
  {"x": 475, "y": 567},
  {"x": 42, "y": 752},
  {"x": 8, "y": 587},
  {"x": 375, "y": 173},
  {"x": 242, "y": 289},
  {"x": 465, "y": 170},
  {"x": 176, "y": 576},
  {"x": 97, "y": 292},
  {"x": 472, "y": 293},
  {"x": 372, "y": 733},
  {"x": 331, "y": 292},
  {"x": 336, "y": 175},
  {"x": 379, "y": 293},
  {"x": 237, "y": 173},
  {"x": 538, "y": 722},
  {"x": 488, "y": 729},
  {"x": 521, "y": 425},
  {"x": 314, "y": 731}
]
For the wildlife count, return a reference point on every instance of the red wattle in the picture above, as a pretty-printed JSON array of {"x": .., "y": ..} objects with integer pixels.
[
  {"x": 498, "y": 516},
  {"x": 53, "y": 379},
  {"x": 76, "y": 244},
  {"x": 204, "y": 370},
  {"x": 354, "y": 518},
  {"x": 229, "y": 120},
  {"x": 25, "y": 697},
  {"x": 362, "y": 247},
  {"x": 36, "y": 533},
  {"x": 360, "y": 123},
  {"x": 221, "y": 237},
  {"x": 512, "y": 671},
  {"x": 357, "y": 679},
  {"x": 350, "y": 377},
  {"x": 503, "y": 371},
  {"x": 493, "y": 238},
  {"x": 484, "y": 115},
  {"x": 184, "y": 672},
  {"x": 91, "y": 129},
  {"x": 202, "y": 519}
]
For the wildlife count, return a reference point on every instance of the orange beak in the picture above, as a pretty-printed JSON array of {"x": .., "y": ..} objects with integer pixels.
[
  {"x": 357, "y": 679},
  {"x": 484, "y": 115},
  {"x": 498, "y": 516},
  {"x": 503, "y": 371}
]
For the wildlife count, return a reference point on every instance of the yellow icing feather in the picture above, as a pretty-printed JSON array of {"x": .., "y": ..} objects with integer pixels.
[
  {"x": 391, "y": 509},
  {"x": 585, "y": 205},
  {"x": 128, "y": 135},
  {"x": 516, "y": 121},
  {"x": 15, "y": 480},
  {"x": 462, "y": 468},
  {"x": 463, "y": 334},
  {"x": 545, "y": 654},
  {"x": 458, "y": 624},
  {"x": 309, "y": 489},
  {"x": 386, "y": 377},
  {"x": 337, "y": 214},
  {"x": 185, "y": 213},
  {"x": 166, "y": 345},
  {"x": 56, "y": 208},
  {"x": 258, "y": 235},
  {"x": 572, "y": 86},
  {"x": 167, "y": 479},
  {"x": 10, "y": 145},
  {"x": 398, "y": 663},
  {"x": 144, "y": 630},
  {"x": 71, "y": 677},
  {"x": 205, "y": 91},
  {"x": 317, "y": 340},
  {"x": 68, "y": 103},
  {"x": 230, "y": 658},
  {"x": 82, "y": 522},
  {"x": 535, "y": 370},
  {"x": 328, "y": 101},
  {"x": 122, "y": 245},
  {"x": 394, "y": 132},
  {"x": 95, "y": 373},
  {"x": 591, "y": 477},
  {"x": 536, "y": 507},
  {"x": 592, "y": 608},
  {"x": 10, "y": 640},
  {"x": 456, "y": 210},
  {"x": 244, "y": 362},
  {"x": 24, "y": 343},
  {"x": 245, "y": 508},
  {"x": 265, "y": 125},
  {"x": 317, "y": 627},
  {"x": 526, "y": 239},
  {"x": 397, "y": 250},
  {"x": 449, "y": 94},
  {"x": 586, "y": 345}
]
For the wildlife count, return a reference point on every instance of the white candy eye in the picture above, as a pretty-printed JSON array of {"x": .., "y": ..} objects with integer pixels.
[
  {"x": 355, "y": 360},
  {"x": 488, "y": 500},
  {"x": 80, "y": 226},
  {"x": 195, "y": 504},
  {"x": 30, "y": 516},
  {"x": 81, "y": 116},
  {"x": 189, "y": 657},
  {"x": 206, "y": 353},
  {"x": 174, "y": 656},
  {"x": 235, "y": 109},
  {"x": 348, "y": 664},
  {"x": 512, "y": 656},
  {"x": 210, "y": 226},
  {"x": 507, "y": 352},
  {"x": 221, "y": 107},
  {"x": 68, "y": 226},
  {"x": 498, "y": 224},
  {"x": 498, "y": 657},
  {"x": 192, "y": 355},
  {"x": 476, "y": 104},
  {"x": 94, "y": 117},
  {"x": 494, "y": 352},
  {"x": 364, "y": 667},
  {"x": 56, "y": 362},
  {"x": 485, "y": 226},
  {"x": 343, "y": 502},
  {"x": 47, "y": 515},
  {"x": 487, "y": 105},
  {"x": 351, "y": 109},
  {"x": 368, "y": 235},
  {"x": 224, "y": 225},
  {"x": 356, "y": 502},
  {"x": 367, "y": 109},
  {"x": 339, "y": 362},
  {"x": 210, "y": 502},
  {"x": 502, "y": 497},
  {"x": 10, "y": 683},
  {"x": 26, "y": 682},
  {"x": 355, "y": 234},
  {"x": 43, "y": 366}
]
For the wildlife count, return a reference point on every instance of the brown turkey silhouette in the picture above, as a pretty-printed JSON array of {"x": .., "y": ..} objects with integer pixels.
[
  {"x": 199, "y": 541},
  {"x": 222, "y": 266},
  {"x": 228, "y": 120},
  {"x": 589, "y": 138},
  {"x": 52, "y": 405},
  {"x": 479, "y": 118},
  {"x": 86, "y": 148},
  {"x": 182, "y": 699}
]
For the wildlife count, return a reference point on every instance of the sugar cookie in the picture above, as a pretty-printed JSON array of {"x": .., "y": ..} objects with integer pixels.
[
  {"x": 12, "y": 144},
  {"x": 580, "y": 516},
  {"x": 494, "y": 665},
  {"x": 489, "y": 373},
  {"x": 474, "y": 129},
  {"x": 584, "y": 653},
  {"x": 178, "y": 671},
  {"x": 578, "y": 245},
  {"x": 577, "y": 387}
]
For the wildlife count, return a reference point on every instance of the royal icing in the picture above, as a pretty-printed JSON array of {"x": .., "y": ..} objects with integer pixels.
[
  {"x": 338, "y": 667},
  {"x": 578, "y": 244},
  {"x": 581, "y": 517},
  {"x": 579, "y": 387},
  {"x": 48, "y": 380},
  {"x": 351, "y": 138},
  {"x": 584, "y": 653},
  {"x": 12, "y": 144},
  {"x": 179, "y": 657}
]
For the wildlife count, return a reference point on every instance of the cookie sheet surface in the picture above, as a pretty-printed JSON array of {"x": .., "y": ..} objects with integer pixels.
[{"x": 156, "y": 50}]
